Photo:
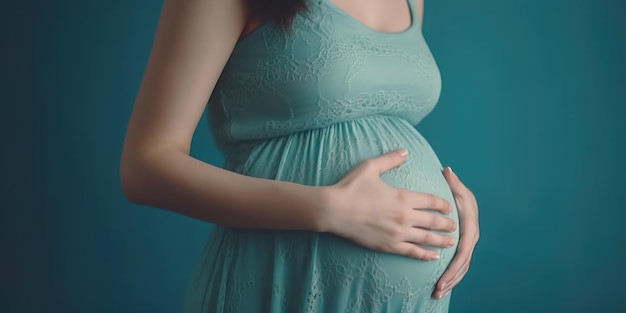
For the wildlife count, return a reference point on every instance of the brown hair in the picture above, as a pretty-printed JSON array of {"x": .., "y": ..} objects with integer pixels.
[{"x": 280, "y": 12}]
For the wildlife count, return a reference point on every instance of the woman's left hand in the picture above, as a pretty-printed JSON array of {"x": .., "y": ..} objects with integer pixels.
[{"x": 469, "y": 233}]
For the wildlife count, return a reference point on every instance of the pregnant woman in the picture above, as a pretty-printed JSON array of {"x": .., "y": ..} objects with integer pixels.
[{"x": 329, "y": 199}]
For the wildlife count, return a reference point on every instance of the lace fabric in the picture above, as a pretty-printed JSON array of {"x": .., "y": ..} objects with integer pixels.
[{"x": 306, "y": 107}]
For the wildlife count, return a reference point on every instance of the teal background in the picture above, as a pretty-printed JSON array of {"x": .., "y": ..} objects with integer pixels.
[{"x": 531, "y": 119}]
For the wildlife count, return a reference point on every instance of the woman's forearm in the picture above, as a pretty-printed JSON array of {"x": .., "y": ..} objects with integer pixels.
[{"x": 177, "y": 182}]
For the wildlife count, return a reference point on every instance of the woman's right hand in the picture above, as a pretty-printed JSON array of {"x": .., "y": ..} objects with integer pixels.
[{"x": 369, "y": 212}]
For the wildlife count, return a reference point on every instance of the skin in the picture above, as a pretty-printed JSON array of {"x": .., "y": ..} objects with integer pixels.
[
  {"x": 397, "y": 19},
  {"x": 193, "y": 41},
  {"x": 396, "y": 16},
  {"x": 469, "y": 234}
]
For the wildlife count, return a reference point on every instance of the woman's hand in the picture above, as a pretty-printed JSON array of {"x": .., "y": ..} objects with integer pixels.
[
  {"x": 373, "y": 214},
  {"x": 469, "y": 233}
]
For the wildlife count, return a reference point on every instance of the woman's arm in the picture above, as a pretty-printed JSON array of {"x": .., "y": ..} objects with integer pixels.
[{"x": 193, "y": 41}]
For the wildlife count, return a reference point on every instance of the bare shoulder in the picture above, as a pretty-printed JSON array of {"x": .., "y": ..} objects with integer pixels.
[
  {"x": 192, "y": 43},
  {"x": 419, "y": 7}
]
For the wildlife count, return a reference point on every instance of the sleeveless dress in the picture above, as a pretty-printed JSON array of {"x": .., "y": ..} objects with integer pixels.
[{"x": 307, "y": 106}]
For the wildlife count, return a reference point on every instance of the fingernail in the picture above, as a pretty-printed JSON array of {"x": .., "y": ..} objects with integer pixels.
[
  {"x": 443, "y": 286},
  {"x": 435, "y": 257},
  {"x": 403, "y": 152},
  {"x": 450, "y": 168}
]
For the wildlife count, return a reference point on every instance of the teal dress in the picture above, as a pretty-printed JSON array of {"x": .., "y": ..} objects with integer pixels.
[{"x": 306, "y": 107}]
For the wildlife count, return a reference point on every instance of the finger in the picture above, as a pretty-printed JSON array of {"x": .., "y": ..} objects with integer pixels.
[
  {"x": 426, "y": 201},
  {"x": 449, "y": 275},
  {"x": 413, "y": 251},
  {"x": 453, "y": 283},
  {"x": 461, "y": 261},
  {"x": 439, "y": 295},
  {"x": 387, "y": 161},
  {"x": 464, "y": 269},
  {"x": 453, "y": 269},
  {"x": 431, "y": 221},
  {"x": 453, "y": 181},
  {"x": 425, "y": 237}
]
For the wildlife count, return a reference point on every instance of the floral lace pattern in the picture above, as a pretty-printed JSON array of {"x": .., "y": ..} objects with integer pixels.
[
  {"x": 307, "y": 107},
  {"x": 325, "y": 71}
]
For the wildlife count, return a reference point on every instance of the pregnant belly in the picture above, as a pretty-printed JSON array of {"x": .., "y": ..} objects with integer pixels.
[{"x": 322, "y": 157}]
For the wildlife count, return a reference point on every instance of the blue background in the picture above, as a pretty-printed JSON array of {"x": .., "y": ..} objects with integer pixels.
[{"x": 531, "y": 119}]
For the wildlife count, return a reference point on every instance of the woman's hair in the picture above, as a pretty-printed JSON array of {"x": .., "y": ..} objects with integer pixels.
[{"x": 280, "y": 12}]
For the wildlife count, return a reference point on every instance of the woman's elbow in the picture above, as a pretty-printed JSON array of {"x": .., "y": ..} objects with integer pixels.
[{"x": 130, "y": 180}]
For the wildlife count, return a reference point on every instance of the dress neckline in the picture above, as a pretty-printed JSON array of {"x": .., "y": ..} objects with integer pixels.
[{"x": 362, "y": 25}]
